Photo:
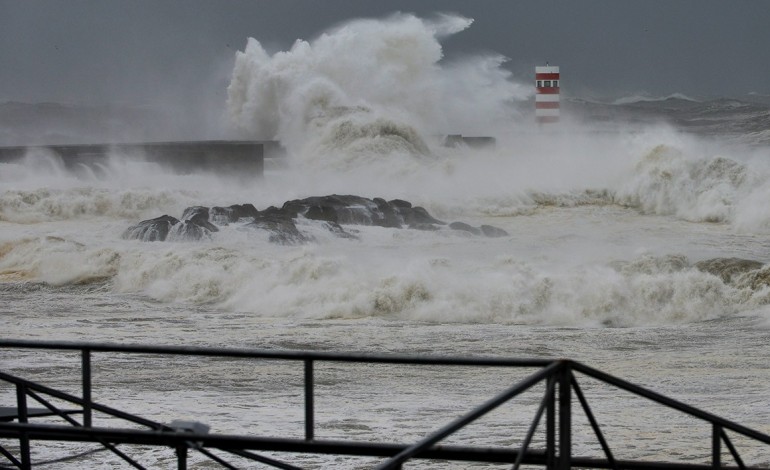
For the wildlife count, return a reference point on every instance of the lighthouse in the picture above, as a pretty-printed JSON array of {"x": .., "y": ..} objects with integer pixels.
[{"x": 547, "y": 97}]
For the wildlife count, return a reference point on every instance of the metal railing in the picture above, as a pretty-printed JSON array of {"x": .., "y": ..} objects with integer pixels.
[{"x": 558, "y": 376}]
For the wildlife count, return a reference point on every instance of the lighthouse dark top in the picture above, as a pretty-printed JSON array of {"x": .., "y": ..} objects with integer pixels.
[{"x": 547, "y": 81}]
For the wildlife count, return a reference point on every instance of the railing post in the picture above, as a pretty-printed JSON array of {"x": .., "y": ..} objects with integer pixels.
[
  {"x": 716, "y": 441},
  {"x": 21, "y": 405},
  {"x": 86, "y": 371},
  {"x": 550, "y": 425},
  {"x": 565, "y": 417},
  {"x": 181, "y": 457},
  {"x": 309, "y": 407}
]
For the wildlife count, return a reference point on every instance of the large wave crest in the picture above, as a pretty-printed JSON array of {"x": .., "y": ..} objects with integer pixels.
[{"x": 368, "y": 88}]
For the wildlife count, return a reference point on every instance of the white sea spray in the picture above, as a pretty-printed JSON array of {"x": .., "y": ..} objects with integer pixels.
[{"x": 368, "y": 91}]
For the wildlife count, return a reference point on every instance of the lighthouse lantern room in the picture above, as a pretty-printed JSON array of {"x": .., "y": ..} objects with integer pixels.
[{"x": 547, "y": 83}]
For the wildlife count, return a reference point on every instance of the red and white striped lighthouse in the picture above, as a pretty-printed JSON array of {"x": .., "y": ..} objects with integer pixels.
[{"x": 547, "y": 98}]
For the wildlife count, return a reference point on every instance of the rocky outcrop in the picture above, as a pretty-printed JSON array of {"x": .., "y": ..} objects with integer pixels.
[
  {"x": 280, "y": 226},
  {"x": 462, "y": 226},
  {"x": 194, "y": 226},
  {"x": 356, "y": 210},
  {"x": 153, "y": 230},
  {"x": 485, "y": 230},
  {"x": 231, "y": 214},
  {"x": 335, "y": 211},
  {"x": 493, "y": 232}
]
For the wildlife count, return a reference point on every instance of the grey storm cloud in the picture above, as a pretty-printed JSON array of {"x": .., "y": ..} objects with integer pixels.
[{"x": 145, "y": 51}]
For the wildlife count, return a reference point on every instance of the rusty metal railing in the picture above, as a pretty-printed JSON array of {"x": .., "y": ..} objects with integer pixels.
[{"x": 561, "y": 392}]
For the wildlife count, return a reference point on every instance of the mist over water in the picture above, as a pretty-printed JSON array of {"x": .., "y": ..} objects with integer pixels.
[
  {"x": 362, "y": 109},
  {"x": 609, "y": 224}
]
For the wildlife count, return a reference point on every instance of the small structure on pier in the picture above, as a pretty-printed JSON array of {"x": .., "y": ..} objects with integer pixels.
[{"x": 547, "y": 83}]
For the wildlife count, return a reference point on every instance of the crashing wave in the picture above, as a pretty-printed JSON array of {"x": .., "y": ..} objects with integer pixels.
[
  {"x": 368, "y": 89},
  {"x": 649, "y": 98},
  {"x": 667, "y": 182}
]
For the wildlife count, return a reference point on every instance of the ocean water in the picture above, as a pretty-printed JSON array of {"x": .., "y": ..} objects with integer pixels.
[{"x": 606, "y": 225}]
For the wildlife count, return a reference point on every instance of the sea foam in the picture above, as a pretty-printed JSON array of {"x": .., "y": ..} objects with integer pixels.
[{"x": 368, "y": 90}]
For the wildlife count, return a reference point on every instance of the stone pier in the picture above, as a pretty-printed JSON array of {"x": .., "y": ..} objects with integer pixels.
[{"x": 241, "y": 158}]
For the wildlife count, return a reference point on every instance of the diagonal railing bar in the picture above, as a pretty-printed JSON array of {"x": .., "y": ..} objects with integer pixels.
[
  {"x": 10, "y": 457},
  {"x": 69, "y": 457},
  {"x": 213, "y": 457},
  {"x": 670, "y": 402},
  {"x": 594, "y": 423},
  {"x": 263, "y": 459},
  {"x": 535, "y": 422},
  {"x": 73, "y": 422},
  {"x": 52, "y": 408},
  {"x": 30, "y": 388},
  {"x": 733, "y": 450},
  {"x": 431, "y": 439},
  {"x": 79, "y": 401},
  {"x": 88, "y": 405}
]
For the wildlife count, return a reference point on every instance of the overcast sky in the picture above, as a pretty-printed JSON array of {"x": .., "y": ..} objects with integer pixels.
[{"x": 145, "y": 51}]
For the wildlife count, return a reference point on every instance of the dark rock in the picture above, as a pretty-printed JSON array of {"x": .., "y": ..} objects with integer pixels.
[
  {"x": 486, "y": 230},
  {"x": 337, "y": 229},
  {"x": 195, "y": 225},
  {"x": 334, "y": 211},
  {"x": 345, "y": 210},
  {"x": 494, "y": 232},
  {"x": 222, "y": 215},
  {"x": 462, "y": 226},
  {"x": 151, "y": 230},
  {"x": 188, "y": 231},
  {"x": 413, "y": 216},
  {"x": 195, "y": 211},
  {"x": 199, "y": 216},
  {"x": 400, "y": 204},
  {"x": 282, "y": 228},
  {"x": 418, "y": 215},
  {"x": 232, "y": 214},
  {"x": 325, "y": 213},
  {"x": 390, "y": 216},
  {"x": 357, "y": 210}
]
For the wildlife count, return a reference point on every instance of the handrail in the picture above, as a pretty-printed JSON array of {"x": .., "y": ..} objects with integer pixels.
[
  {"x": 558, "y": 375},
  {"x": 323, "y": 446},
  {"x": 278, "y": 354}
]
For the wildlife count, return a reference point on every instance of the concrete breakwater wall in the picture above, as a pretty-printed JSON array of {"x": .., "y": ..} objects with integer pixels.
[
  {"x": 241, "y": 158},
  {"x": 457, "y": 140}
]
